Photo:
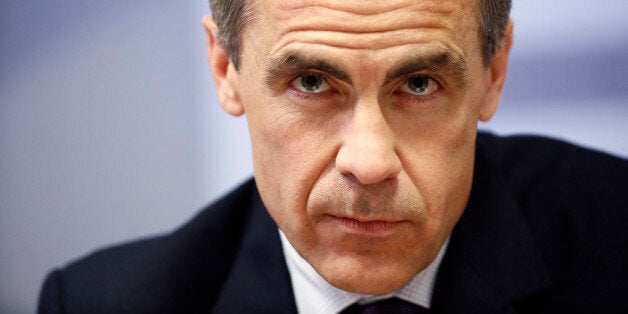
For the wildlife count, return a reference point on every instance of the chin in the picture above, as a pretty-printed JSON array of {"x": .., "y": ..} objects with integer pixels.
[
  {"x": 354, "y": 275},
  {"x": 375, "y": 285}
]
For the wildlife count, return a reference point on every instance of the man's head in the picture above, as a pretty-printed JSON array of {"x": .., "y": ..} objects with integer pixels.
[{"x": 363, "y": 120}]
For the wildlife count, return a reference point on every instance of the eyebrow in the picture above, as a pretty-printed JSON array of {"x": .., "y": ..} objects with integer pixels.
[
  {"x": 445, "y": 61},
  {"x": 293, "y": 63}
]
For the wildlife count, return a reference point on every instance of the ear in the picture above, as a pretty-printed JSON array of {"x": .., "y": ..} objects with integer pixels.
[
  {"x": 496, "y": 75},
  {"x": 223, "y": 70}
]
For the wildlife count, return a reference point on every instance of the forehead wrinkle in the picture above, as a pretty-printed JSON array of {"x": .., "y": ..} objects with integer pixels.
[
  {"x": 363, "y": 8},
  {"x": 334, "y": 21},
  {"x": 372, "y": 8},
  {"x": 367, "y": 42},
  {"x": 353, "y": 36},
  {"x": 361, "y": 18},
  {"x": 327, "y": 24}
]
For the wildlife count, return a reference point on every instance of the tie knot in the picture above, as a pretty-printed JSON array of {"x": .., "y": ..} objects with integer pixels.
[{"x": 392, "y": 305}]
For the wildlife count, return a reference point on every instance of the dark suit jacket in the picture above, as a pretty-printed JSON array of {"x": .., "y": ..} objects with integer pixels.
[{"x": 545, "y": 231}]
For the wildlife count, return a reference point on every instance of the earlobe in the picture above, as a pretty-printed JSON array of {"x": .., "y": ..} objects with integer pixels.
[
  {"x": 222, "y": 69},
  {"x": 496, "y": 74}
]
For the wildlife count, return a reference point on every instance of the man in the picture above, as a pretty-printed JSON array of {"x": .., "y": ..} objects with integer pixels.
[{"x": 372, "y": 184}]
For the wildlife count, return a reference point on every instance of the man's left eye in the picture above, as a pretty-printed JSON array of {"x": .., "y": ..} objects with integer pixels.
[
  {"x": 419, "y": 85},
  {"x": 311, "y": 83}
]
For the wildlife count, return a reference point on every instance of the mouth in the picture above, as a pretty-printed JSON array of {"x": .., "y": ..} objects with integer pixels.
[{"x": 367, "y": 226}]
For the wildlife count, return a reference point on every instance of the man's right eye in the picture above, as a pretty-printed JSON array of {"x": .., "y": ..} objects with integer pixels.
[{"x": 311, "y": 83}]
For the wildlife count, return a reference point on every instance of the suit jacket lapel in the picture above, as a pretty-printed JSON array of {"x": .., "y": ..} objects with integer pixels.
[
  {"x": 492, "y": 264},
  {"x": 259, "y": 281}
]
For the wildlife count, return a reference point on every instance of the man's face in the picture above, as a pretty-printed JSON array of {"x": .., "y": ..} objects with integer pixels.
[{"x": 363, "y": 121}]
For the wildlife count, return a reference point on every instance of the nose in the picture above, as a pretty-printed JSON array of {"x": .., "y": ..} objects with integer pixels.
[{"x": 368, "y": 150}]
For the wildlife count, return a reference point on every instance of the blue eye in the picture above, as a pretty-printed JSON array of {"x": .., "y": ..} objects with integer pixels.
[
  {"x": 311, "y": 83},
  {"x": 419, "y": 85}
]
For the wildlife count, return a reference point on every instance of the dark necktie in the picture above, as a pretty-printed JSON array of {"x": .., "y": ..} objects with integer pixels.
[{"x": 387, "y": 306}]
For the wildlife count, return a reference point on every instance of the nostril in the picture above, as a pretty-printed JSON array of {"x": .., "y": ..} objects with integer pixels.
[{"x": 350, "y": 177}]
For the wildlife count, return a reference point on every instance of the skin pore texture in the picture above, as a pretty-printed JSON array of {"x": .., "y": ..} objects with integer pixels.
[{"x": 363, "y": 117}]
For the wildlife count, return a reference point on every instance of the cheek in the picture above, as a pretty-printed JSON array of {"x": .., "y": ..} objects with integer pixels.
[
  {"x": 439, "y": 161},
  {"x": 289, "y": 154},
  {"x": 285, "y": 147}
]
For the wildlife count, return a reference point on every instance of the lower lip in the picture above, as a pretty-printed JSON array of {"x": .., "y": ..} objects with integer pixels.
[{"x": 368, "y": 227}]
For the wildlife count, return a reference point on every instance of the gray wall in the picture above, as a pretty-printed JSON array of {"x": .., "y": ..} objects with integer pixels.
[{"x": 109, "y": 129}]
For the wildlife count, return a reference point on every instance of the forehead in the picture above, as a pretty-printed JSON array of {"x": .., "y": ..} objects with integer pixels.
[{"x": 364, "y": 24}]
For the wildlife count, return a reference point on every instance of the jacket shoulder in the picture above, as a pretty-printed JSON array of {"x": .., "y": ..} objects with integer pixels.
[
  {"x": 183, "y": 270},
  {"x": 574, "y": 202},
  {"x": 544, "y": 170}
]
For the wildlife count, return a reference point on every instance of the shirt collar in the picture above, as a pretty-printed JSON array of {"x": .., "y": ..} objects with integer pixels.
[{"x": 314, "y": 295}]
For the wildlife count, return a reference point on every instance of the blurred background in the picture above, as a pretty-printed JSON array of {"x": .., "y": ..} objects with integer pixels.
[{"x": 109, "y": 127}]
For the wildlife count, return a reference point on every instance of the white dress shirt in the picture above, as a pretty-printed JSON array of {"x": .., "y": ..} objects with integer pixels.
[{"x": 313, "y": 295}]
